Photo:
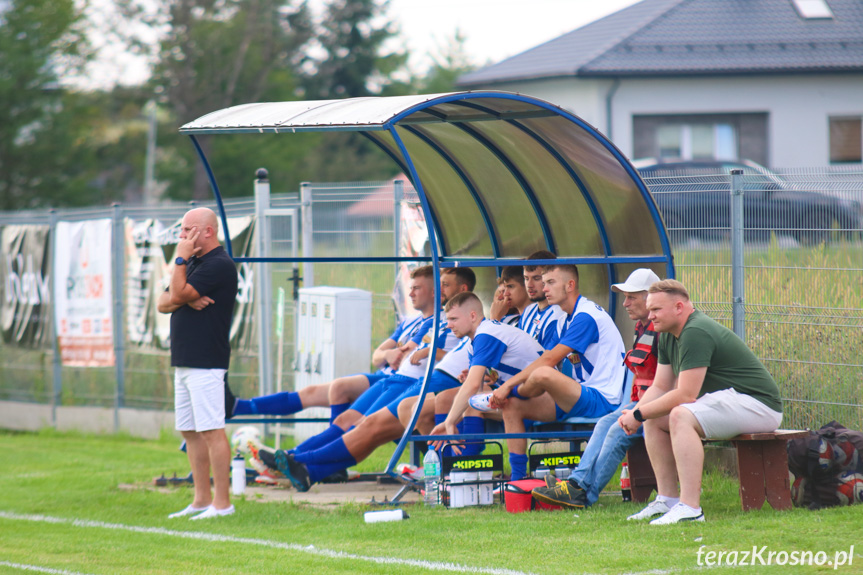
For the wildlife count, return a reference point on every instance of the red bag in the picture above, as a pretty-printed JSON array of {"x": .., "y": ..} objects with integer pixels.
[{"x": 518, "y": 499}]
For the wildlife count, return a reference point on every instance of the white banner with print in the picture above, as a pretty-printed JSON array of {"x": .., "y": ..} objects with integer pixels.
[{"x": 83, "y": 308}]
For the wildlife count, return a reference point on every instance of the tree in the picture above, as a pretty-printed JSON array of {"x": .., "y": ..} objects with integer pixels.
[
  {"x": 219, "y": 53},
  {"x": 40, "y": 40}
]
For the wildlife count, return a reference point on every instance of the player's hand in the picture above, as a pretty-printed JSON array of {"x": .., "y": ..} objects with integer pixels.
[
  {"x": 200, "y": 303},
  {"x": 628, "y": 422},
  {"x": 186, "y": 247},
  {"x": 419, "y": 355},
  {"x": 394, "y": 357},
  {"x": 463, "y": 376},
  {"x": 499, "y": 398}
]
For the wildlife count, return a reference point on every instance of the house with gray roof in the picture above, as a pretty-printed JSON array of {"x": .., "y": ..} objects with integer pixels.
[{"x": 779, "y": 82}]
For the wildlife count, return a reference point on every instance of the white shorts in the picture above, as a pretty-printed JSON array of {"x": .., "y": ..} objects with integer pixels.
[
  {"x": 199, "y": 399},
  {"x": 726, "y": 413}
]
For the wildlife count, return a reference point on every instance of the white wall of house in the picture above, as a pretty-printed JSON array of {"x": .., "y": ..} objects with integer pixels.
[{"x": 798, "y": 106}]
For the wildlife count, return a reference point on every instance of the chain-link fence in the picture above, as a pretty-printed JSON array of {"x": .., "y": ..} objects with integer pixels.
[
  {"x": 803, "y": 275},
  {"x": 803, "y": 259}
]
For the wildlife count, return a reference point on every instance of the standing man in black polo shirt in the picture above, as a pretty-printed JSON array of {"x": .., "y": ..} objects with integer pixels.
[{"x": 200, "y": 299}]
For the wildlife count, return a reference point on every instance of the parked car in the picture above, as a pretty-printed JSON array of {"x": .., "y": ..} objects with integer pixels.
[{"x": 694, "y": 199}]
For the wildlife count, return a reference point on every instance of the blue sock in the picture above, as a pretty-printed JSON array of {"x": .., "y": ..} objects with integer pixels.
[
  {"x": 518, "y": 466},
  {"x": 282, "y": 403},
  {"x": 514, "y": 393},
  {"x": 322, "y": 471},
  {"x": 336, "y": 450},
  {"x": 338, "y": 409},
  {"x": 329, "y": 434},
  {"x": 439, "y": 418},
  {"x": 472, "y": 424}
]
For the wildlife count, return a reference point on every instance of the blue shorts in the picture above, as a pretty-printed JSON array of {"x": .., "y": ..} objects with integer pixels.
[
  {"x": 440, "y": 381},
  {"x": 590, "y": 404},
  {"x": 381, "y": 393},
  {"x": 374, "y": 377}
]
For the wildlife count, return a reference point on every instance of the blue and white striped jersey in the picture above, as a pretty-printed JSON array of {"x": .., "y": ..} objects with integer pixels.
[
  {"x": 597, "y": 349},
  {"x": 542, "y": 324},
  {"x": 502, "y": 349}
]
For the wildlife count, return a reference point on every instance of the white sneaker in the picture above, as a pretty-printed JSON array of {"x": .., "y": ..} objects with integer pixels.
[
  {"x": 480, "y": 402},
  {"x": 678, "y": 514},
  {"x": 187, "y": 511},
  {"x": 213, "y": 512},
  {"x": 654, "y": 508}
]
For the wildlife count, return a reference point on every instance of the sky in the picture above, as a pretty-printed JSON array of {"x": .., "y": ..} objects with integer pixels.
[{"x": 494, "y": 30}]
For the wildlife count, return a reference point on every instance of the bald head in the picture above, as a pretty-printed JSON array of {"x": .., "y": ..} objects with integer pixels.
[{"x": 203, "y": 223}]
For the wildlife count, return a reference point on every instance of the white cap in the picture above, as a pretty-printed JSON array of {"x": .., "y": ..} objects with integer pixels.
[{"x": 639, "y": 280}]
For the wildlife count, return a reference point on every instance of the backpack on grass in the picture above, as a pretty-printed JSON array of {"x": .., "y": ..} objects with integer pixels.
[{"x": 826, "y": 467}]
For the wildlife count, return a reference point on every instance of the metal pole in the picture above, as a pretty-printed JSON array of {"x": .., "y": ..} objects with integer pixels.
[
  {"x": 118, "y": 265},
  {"x": 150, "y": 159},
  {"x": 56, "y": 365},
  {"x": 737, "y": 270},
  {"x": 264, "y": 288},
  {"x": 308, "y": 242},
  {"x": 398, "y": 196}
]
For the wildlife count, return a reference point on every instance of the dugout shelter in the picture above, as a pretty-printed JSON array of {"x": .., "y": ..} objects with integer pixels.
[{"x": 499, "y": 176}]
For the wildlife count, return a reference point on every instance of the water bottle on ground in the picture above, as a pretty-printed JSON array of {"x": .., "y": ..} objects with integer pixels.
[
  {"x": 431, "y": 470},
  {"x": 238, "y": 475}
]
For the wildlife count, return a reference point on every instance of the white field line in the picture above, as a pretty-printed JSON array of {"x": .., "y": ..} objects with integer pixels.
[
  {"x": 310, "y": 549},
  {"x": 37, "y": 568}
]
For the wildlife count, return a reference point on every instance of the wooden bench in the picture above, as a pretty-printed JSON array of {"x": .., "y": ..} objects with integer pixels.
[{"x": 762, "y": 466}]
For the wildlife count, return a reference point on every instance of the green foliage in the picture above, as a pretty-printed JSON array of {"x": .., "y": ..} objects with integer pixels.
[{"x": 39, "y": 130}]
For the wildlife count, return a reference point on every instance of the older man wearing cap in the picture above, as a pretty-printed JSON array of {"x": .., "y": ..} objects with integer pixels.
[{"x": 609, "y": 442}]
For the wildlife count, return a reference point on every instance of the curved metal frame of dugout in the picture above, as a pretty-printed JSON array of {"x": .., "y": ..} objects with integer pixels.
[{"x": 499, "y": 176}]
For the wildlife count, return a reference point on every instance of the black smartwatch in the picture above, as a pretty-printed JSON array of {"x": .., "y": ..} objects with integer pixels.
[
  {"x": 637, "y": 415},
  {"x": 181, "y": 261}
]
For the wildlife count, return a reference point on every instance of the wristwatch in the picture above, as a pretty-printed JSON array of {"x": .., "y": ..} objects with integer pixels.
[
  {"x": 180, "y": 261},
  {"x": 637, "y": 415}
]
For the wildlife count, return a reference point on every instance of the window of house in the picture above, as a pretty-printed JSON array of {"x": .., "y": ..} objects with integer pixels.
[
  {"x": 697, "y": 141},
  {"x": 846, "y": 140}
]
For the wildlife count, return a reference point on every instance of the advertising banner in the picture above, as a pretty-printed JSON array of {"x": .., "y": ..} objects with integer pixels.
[
  {"x": 150, "y": 246},
  {"x": 83, "y": 319},
  {"x": 26, "y": 288}
]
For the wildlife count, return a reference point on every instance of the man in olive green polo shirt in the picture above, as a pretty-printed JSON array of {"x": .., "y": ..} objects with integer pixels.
[{"x": 708, "y": 384}]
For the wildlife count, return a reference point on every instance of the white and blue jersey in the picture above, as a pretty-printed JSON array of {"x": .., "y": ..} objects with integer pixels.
[
  {"x": 502, "y": 349},
  {"x": 597, "y": 350},
  {"x": 446, "y": 341},
  {"x": 457, "y": 360},
  {"x": 542, "y": 324},
  {"x": 408, "y": 329},
  {"x": 512, "y": 319}
]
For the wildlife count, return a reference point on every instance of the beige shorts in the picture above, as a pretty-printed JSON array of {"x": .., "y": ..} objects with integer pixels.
[
  {"x": 199, "y": 399},
  {"x": 726, "y": 413}
]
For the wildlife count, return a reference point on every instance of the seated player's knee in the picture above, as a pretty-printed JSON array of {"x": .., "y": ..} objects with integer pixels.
[
  {"x": 348, "y": 418},
  {"x": 346, "y": 389},
  {"x": 406, "y": 409},
  {"x": 542, "y": 375},
  {"x": 680, "y": 418},
  {"x": 443, "y": 400}
]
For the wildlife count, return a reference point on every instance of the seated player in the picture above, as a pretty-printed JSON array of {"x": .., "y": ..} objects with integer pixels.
[
  {"x": 609, "y": 442},
  {"x": 342, "y": 391},
  {"x": 511, "y": 297},
  {"x": 380, "y": 427},
  {"x": 590, "y": 380},
  {"x": 497, "y": 351},
  {"x": 539, "y": 319}
]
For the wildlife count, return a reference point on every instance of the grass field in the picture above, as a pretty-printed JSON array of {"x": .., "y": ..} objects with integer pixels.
[{"x": 62, "y": 511}]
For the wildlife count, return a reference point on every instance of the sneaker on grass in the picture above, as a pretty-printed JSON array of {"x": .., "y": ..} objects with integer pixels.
[
  {"x": 564, "y": 493},
  {"x": 293, "y": 470},
  {"x": 190, "y": 510},
  {"x": 213, "y": 512},
  {"x": 678, "y": 514},
  {"x": 654, "y": 508}
]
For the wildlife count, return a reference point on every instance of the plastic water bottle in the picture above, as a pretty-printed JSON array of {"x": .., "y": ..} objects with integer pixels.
[
  {"x": 625, "y": 488},
  {"x": 431, "y": 470},
  {"x": 238, "y": 475}
]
